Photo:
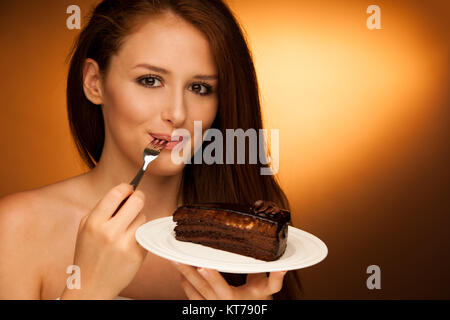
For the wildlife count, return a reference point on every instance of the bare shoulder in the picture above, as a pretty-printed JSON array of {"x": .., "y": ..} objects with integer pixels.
[
  {"x": 16, "y": 214},
  {"x": 21, "y": 216},
  {"x": 36, "y": 228},
  {"x": 41, "y": 207}
]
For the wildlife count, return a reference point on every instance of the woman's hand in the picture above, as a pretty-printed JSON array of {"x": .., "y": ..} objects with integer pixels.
[
  {"x": 201, "y": 284},
  {"x": 106, "y": 250}
]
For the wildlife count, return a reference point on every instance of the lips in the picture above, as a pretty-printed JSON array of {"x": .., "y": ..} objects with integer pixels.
[{"x": 171, "y": 141}]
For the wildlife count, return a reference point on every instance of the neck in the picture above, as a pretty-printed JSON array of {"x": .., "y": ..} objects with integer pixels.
[{"x": 162, "y": 194}]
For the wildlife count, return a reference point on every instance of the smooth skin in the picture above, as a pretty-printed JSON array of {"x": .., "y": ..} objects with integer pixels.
[{"x": 45, "y": 230}]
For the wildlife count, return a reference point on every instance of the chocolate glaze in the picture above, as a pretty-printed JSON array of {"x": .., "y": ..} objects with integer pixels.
[{"x": 264, "y": 210}]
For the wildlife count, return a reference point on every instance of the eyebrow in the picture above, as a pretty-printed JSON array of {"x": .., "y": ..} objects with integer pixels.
[{"x": 164, "y": 71}]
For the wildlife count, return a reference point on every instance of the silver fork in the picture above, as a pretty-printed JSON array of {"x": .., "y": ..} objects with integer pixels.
[{"x": 151, "y": 152}]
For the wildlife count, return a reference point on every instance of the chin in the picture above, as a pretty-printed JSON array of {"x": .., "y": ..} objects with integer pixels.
[{"x": 163, "y": 166}]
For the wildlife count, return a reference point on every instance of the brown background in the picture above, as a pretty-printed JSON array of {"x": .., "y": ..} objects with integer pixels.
[{"x": 363, "y": 115}]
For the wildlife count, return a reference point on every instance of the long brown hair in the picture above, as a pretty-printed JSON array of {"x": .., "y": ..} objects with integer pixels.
[{"x": 238, "y": 97}]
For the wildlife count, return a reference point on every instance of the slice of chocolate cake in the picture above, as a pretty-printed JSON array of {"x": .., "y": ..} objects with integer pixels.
[{"x": 258, "y": 231}]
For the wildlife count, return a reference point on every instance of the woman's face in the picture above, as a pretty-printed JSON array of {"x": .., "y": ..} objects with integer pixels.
[{"x": 163, "y": 78}]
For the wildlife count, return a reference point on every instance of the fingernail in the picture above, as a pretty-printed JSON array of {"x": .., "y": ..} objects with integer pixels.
[{"x": 203, "y": 271}]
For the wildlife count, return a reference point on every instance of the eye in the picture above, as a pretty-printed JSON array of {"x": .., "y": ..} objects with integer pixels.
[
  {"x": 149, "y": 81},
  {"x": 202, "y": 89}
]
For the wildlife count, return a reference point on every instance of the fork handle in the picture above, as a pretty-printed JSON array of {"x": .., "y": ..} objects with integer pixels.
[
  {"x": 137, "y": 179},
  {"x": 134, "y": 183}
]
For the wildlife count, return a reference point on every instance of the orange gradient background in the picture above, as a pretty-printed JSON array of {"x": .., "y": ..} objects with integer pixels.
[{"x": 363, "y": 118}]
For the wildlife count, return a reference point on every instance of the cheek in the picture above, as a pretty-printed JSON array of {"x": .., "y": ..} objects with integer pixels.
[
  {"x": 126, "y": 109},
  {"x": 205, "y": 112}
]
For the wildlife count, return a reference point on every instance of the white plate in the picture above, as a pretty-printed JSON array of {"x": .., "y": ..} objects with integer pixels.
[{"x": 158, "y": 236}]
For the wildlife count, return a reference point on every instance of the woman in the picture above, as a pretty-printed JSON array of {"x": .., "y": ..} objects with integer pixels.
[{"x": 140, "y": 69}]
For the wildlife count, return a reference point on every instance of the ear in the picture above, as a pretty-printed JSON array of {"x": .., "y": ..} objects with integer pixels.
[{"x": 92, "y": 81}]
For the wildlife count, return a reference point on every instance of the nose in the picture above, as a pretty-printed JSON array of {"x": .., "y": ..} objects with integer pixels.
[{"x": 175, "y": 110}]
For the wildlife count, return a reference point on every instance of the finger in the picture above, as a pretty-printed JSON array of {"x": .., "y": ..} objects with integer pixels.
[
  {"x": 131, "y": 231},
  {"x": 197, "y": 281},
  {"x": 109, "y": 203},
  {"x": 216, "y": 281},
  {"x": 257, "y": 279},
  {"x": 190, "y": 291},
  {"x": 136, "y": 223},
  {"x": 256, "y": 285},
  {"x": 275, "y": 282},
  {"x": 129, "y": 211}
]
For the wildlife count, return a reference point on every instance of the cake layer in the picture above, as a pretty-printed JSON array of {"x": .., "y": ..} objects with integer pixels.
[
  {"x": 256, "y": 240},
  {"x": 235, "y": 247},
  {"x": 249, "y": 228},
  {"x": 195, "y": 226}
]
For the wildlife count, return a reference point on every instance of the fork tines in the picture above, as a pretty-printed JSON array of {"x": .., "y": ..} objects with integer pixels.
[{"x": 157, "y": 144}]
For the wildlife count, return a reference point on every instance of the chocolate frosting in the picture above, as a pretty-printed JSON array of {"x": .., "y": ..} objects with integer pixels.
[
  {"x": 268, "y": 207},
  {"x": 263, "y": 209}
]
